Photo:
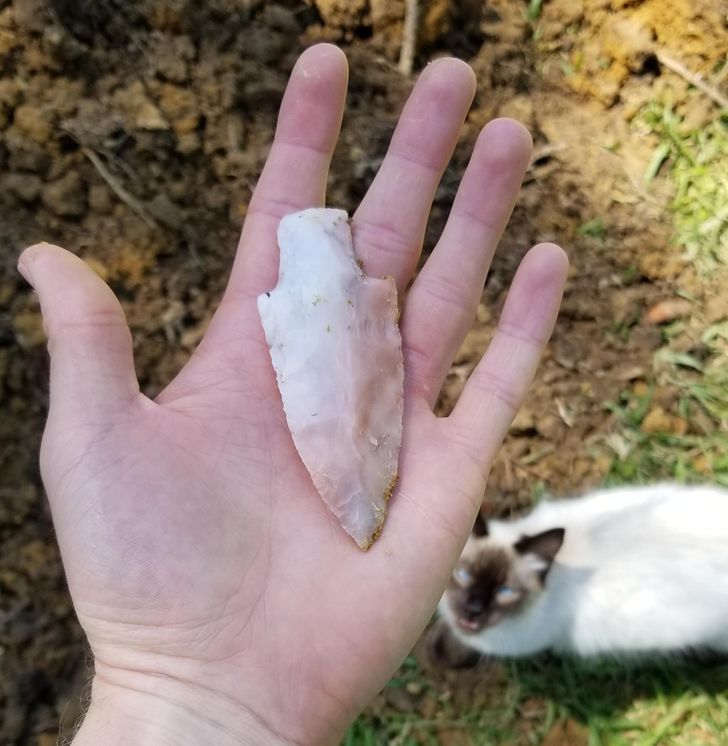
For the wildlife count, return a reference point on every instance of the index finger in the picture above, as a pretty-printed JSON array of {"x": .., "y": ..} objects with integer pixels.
[
  {"x": 294, "y": 178},
  {"x": 295, "y": 173}
]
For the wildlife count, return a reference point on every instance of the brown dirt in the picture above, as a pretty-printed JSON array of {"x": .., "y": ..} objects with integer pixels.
[{"x": 177, "y": 100}]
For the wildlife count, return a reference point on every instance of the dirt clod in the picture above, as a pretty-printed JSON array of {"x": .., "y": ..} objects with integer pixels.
[{"x": 66, "y": 197}]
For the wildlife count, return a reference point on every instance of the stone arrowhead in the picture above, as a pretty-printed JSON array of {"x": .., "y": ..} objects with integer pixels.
[{"x": 337, "y": 353}]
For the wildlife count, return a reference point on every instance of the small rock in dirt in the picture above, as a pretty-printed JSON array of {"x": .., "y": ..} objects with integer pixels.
[
  {"x": 101, "y": 269},
  {"x": 399, "y": 699},
  {"x": 266, "y": 89},
  {"x": 566, "y": 733},
  {"x": 703, "y": 464},
  {"x": 66, "y": 197},
  {"x": 9, "y": 41},
  {"x": 428, "y": 707},
  {"x": 33, "y": 558},
  {"x": 667, "y": 310},
  {"x": 99, "y": 199},
  {"x": 518, "y": 107},
  {"x": 95, "y": 126},
  {"x": 657, "y": 266},
  {"x": 9, "y": 98},
  {"x": 171, "y": 55},
  {"x": 28, "y": 328},
  {"x": 34, "y": 122},
  {"x": 166, "y": 212},
  {"x": 628, "y": 371},
  {"x": 702, "y": 422},
  {"x": 180, "y": 107},
  {"x": 188, "y": 143},
  {"x": 628, "y": 41},
  {"x": 414, "y": 688},
  {"x": 282, "y": 19},
  {"x": 24, "y": 154},
  {"x": 716, "y": 308},
  {"x": 26, "y": 187},
  {"x": 657, "y": 420},
  {"x": 454, "y": 737},
  {"x": 86, "y": 19},
  {"x": 342, "y": 13},
  {"x": 666, "y": 397},
  {"x": 30, "y": 14},
  {"x": 167, "y": 16},
  {"x": 551, "y": 427},
  {"x": 266, "y": 48},
  {"x": 190, "y": 338},
  {"x": 17, "y": 503},
  {"x": 532, "y": 709},
  {"x": 568, "y": 11},
  {"x": 523, "y": 422},
  {"x": 138, "y": 110},
  {"x": 626, "y": 306}
]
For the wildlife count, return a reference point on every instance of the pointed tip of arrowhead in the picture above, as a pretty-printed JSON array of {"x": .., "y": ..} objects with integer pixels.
[
  {"x": 369, "y": 542},
  {"x": 381, "y": 516}
]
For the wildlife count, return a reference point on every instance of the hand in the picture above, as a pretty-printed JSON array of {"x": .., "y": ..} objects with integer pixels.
[{"x": 222, "y": 602}]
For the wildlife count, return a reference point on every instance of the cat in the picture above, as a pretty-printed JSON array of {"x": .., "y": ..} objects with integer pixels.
[{"x": 629, "y": 571}]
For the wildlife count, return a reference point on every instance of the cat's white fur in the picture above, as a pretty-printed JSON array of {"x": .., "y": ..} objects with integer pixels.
[{"x": 641, "y": 570}]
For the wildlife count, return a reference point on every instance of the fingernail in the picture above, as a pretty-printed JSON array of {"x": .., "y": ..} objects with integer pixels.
[
  {"x": 25, "y": 272},
  {"x": 27, "y": 259}
]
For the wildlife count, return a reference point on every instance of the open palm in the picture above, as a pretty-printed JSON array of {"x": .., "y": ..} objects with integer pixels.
[{"x": 205, "y": 569}]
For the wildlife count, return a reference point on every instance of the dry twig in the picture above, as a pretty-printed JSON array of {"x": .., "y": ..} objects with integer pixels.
[
  {"x": 118, "y": 189},
  {"x": 409, "y": 37},
  {"x": 693, "y": 78}
]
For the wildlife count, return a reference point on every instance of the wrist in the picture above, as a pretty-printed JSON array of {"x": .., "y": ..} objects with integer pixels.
[{"x": 150, "y": 710}]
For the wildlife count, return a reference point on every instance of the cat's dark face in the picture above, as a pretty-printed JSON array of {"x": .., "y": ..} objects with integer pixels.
[
  {"x": 483, "y": 589},
  {"x": 493, "y": 581}
]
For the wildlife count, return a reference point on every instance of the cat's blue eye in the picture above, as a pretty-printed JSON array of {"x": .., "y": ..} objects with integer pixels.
[
  {"x": 506, "y": 595},
  {"x": 462, "y": 576}
]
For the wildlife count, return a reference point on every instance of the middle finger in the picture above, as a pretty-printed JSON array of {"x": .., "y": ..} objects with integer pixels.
[{"x": 389, "y": 225}]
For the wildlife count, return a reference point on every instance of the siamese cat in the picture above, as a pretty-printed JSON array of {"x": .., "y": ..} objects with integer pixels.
[{"x": 636, "y": 570}]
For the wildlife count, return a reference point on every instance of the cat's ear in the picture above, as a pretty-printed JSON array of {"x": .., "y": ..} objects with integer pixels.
[
  {"x": 542, "y": 548},
  {"x": 480, "y": 527}
]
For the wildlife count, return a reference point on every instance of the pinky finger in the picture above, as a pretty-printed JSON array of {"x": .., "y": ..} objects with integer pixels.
[{"x": 498, "y": 385}]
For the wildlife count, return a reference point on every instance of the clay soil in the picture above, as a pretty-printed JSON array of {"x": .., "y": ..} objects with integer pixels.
[{"x": 176, "y": 100}]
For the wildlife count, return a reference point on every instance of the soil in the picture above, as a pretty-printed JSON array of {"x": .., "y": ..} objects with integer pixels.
[{"x": 175, "y": 101}]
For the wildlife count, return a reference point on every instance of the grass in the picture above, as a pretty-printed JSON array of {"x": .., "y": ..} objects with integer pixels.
[
  {"x": 610, "y": 703},
  {"x": 533, "y": 12},
  {"x": 642, "y": 456},
  {"x": 492, "y": 724},
  {"x": 632, "y": 703},
  {"x": 595, "y": 228},
  {"x": 695, "y": 160}
]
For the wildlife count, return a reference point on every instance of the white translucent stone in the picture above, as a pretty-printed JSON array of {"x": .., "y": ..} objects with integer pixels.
[{"x": 337, "y": 353}]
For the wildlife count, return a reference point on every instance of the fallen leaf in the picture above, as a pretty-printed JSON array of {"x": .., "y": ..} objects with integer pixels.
[{"x": 667, "y": 310}]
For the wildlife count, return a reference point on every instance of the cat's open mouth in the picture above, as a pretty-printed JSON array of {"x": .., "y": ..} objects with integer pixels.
[{"x": 469, "y": 625}]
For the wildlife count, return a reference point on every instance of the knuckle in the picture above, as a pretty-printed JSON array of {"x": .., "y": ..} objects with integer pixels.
[
  {"x": 489, "y": 384},
  {"x": 442, "y": 290},
  {"x": 377, "y": 238}
]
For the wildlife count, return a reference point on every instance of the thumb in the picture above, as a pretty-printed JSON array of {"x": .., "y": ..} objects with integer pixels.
[{"x": 92, "y": 365}]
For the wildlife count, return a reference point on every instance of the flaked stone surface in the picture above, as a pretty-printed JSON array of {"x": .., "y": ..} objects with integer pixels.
[{"x": 337, "y": 354}]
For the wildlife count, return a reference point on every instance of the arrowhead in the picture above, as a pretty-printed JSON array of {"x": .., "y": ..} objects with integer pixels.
[{"x": 337, "y": 353}]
